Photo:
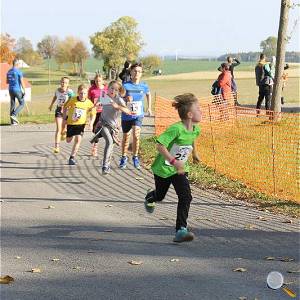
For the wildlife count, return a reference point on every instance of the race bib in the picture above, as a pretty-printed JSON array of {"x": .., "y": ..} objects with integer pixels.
[
  {"x": 180, "y": 152},
  {"x": 61, "y": 100},
  {"x": 77, "y": 114},
  {"x": 135, "y": 107}
]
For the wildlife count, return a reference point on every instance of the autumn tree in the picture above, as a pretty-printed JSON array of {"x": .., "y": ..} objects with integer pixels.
[
  {"x": 79, "y": 54},
  {"x": 116, "y": 43},
  {"x": 151, "y": 62},
  {"x": 72, "y": 50},
  {"x": 63, "y": 53},
  {"x": 269, "y": 46},
  {"x": 7, "y": 44},
  {"x": 25, "y": 51},
  {"x": 47, "y": 48}
]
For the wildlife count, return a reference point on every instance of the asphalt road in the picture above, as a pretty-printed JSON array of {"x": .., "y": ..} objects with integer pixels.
[{"x": 93, "y": 225}]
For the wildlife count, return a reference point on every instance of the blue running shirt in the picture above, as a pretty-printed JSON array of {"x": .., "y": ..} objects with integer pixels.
[{"x": 137, "y": 92}]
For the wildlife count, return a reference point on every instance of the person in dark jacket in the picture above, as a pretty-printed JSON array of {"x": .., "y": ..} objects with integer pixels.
[
  {"x": 125, "y": 73},
  {"x": 265, "y": 82}
]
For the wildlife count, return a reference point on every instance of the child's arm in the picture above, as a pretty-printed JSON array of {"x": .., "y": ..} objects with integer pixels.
[
  {"x": 52, "y": 102},
  {"x": 92, "y": 121},
  {"x": 92, "y": 117},
  {"x": 65, "y": 110},
  {"x": 195, "y": 156},
  {"x": 178, "y": 164},
  {"x": 149, "y": 103},
  {"x": 122, "y": 108},
  {"x": 237, "y": 62}
]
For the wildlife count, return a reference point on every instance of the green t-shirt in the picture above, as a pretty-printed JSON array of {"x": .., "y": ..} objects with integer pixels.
[{"x": 178, "y": 140}]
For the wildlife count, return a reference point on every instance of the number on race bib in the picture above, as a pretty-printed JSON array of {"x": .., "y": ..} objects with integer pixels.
[
  {"x": 180, "y": 152},
  {"x": 135, "y": 107},
  {"x": 78, "y": 113}
]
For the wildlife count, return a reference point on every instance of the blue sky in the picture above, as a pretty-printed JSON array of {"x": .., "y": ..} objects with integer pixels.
[{"x": 192, "y": 27}]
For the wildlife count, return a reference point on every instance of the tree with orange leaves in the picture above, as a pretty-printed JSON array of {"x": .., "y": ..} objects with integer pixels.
[{"x": 7, "y": 44}]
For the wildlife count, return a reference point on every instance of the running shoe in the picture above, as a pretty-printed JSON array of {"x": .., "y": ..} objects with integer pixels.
[
  {"x": 183, "y": 235},
  {"x": 56, "y": 150},
  {"x": 149, "y": 206},
  {"x": 72, "y": 161},
  {"x": 136, "y": 162},
  {"x": 105, "y": 170},
  {"x": 15, "y": 120},
  {"x": 123, "y": 162}
]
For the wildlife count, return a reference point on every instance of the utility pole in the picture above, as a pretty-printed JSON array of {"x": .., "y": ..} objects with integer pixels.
[
  {"x": 49, "y": 83},
  {"x": 280, "y": 55}
]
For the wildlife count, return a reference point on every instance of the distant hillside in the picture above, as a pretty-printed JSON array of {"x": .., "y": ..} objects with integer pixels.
[{"x": 291, "y": 56}]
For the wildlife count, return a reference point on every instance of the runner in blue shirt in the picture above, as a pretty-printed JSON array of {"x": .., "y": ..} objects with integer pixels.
[
  {"x": 135, "y": 93},
  {"x": 16, "y": 87}
]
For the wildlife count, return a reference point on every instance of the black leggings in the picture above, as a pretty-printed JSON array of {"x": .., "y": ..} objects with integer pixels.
[{"x": 182, "y": 187}]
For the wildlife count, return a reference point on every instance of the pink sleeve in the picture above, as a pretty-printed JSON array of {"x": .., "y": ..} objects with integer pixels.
[{"x": 90, "y": 93}]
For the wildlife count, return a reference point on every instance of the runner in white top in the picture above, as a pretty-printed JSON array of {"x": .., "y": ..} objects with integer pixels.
[{"x": 62, "y": 94}]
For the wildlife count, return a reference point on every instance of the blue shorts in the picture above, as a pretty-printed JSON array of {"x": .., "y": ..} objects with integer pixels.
[{"x": 127, "y": 124}]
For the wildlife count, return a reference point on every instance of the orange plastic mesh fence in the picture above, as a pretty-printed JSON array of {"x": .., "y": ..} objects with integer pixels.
[{"x": 243, "y": 143}]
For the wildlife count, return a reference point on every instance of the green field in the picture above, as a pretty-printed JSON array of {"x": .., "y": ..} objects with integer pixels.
[
  {"x": 248, "y": 91},
  {"x": 168, "y": 66},
  {"x": 42, "y": 92},
  {"x": 188, "y": 65}
]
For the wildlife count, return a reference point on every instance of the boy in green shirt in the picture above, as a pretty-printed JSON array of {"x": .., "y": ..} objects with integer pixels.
[{"x": 171, "y": 167}]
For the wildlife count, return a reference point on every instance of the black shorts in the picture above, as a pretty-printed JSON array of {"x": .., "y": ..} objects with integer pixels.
[
  {"x": 59, "y": 112},
  {"x": 127, "y": 124},
  {"x": 73, "y": 130}
]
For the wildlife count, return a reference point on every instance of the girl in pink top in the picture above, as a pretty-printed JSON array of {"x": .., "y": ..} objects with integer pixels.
[{"x": 94, "y": 93}]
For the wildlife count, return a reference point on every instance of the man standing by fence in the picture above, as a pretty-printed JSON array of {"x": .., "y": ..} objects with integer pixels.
[
  {"x": 264, "y": 81},
  {"x": 16, "y": 87}
]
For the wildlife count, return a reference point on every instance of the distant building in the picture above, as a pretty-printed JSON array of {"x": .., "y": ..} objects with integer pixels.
[
  {"x": 4, "y": 94},
  {"x": 22, "y": 64}
]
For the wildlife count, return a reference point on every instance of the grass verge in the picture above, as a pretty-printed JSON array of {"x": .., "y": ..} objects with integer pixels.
[{"x": 206, "y": 178}]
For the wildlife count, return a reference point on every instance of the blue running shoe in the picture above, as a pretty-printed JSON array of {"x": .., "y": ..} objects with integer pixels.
[
  {"x": 136, "y": 162},
  {"x": 72, "y": 161},
  {"x": 123, "y": 162},
  {"x": 183, "y": 235}
]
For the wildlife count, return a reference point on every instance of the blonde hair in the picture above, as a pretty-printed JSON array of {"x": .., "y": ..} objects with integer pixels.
[
  {"x": 122, "y": 91},
  {"x": 183, "y": 104},
  {"x": 82, "y": 87},
  {"x": 98, "y": 76}
]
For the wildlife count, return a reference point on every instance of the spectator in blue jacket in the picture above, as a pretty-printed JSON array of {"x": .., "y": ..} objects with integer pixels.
[{"x": 16, "y": 87}]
